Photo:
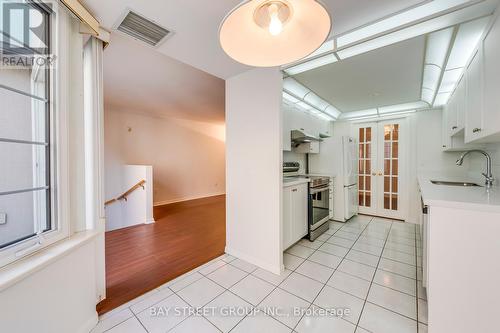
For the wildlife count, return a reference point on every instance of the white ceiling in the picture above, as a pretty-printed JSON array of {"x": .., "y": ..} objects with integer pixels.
[
  {"x": 196, "y": 24},
  {"x": 387, "y": 76},
  {"x": 138, "y": 79}
]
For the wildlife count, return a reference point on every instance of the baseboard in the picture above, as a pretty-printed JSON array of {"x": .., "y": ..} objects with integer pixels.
[
  {"x": 167, "y": 202},
  {"x": 150, "y": 221},
  {"x": 264, "y": 265},
  {"x": 89, "y": 324}
]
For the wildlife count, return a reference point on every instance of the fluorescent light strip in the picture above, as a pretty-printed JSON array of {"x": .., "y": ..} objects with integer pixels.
[
  {"x": 403, "y": 107},
  {"x": 450, "y": 80},
  {"x": 438, "y": 44},
  {"x": 362, "y": 113},
  {"x": 312, "y": 64},
  {"x": 316, "y": 101},
  {"x": 326, "y": 47},
  {"x": 295, "y": 88},
  {"x": 428, "y": 95},
  {"x": 442, "y": 99},
  {"x": 466, "y": 41},
  {"x": 438, "y": 23},
  {"x": 290, "y": 98},
  {"x": 299, "y": 95},
  {"x": 398, "y": 20}
]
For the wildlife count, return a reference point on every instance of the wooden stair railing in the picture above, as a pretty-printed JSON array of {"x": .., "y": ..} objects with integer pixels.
[{"x": 127, "y": 193}]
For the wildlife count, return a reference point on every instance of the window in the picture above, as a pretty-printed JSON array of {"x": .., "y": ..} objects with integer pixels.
[{"x": 27, "y": 153}]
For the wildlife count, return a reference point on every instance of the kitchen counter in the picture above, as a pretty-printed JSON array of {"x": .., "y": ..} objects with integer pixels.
[
  {"x": 293, "y": 181},
  {"x": 469, "y": 198}
]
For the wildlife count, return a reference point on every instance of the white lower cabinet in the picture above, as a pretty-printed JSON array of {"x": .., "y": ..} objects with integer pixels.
[{"x": 295, "y": 224}]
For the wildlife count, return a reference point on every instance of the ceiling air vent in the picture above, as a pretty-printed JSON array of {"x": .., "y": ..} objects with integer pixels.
[{"x": 142, "y": 29}]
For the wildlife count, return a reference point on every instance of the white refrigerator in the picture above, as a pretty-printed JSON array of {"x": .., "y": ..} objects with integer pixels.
[{"x": 339, "y": 157}]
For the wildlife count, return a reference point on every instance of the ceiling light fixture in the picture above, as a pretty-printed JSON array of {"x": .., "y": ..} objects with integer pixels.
[{"x": 274, "y": 33}]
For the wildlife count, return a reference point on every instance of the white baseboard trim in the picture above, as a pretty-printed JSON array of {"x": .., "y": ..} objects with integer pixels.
[
  {"x": 264, "y": 265},
  {"x": 166, "y": 202},
  {"x": 89, "y": 324}
]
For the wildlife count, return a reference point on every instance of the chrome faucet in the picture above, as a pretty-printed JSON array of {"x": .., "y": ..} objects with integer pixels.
[{"x": 488, "y": 175}]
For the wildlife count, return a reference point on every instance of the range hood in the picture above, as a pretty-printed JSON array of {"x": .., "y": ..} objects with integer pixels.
[{"x": 300, "y": 137}]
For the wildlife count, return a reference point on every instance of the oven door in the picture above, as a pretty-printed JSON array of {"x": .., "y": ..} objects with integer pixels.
[{"x": 320, "y": 204}]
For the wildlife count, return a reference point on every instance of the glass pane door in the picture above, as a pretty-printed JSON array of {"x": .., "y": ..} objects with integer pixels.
[
  {"x": 367, "y": 150},
  {"x": 390, "y": 167}
]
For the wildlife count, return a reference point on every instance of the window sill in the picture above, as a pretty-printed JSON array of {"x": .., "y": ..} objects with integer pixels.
[{"x": 19, "y": 270}]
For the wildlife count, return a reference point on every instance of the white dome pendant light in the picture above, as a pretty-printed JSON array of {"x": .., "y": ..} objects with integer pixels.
[{"x": 268, "y": 33}]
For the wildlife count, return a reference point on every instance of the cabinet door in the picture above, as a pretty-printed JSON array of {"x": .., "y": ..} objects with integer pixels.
[
  {"x": 451, "y": 115},
  {"x": 461, "y": 102},
  {"x": 446, "y": 137},
  {"x": 287, "y": 218},
  {"x": 474, "y": 110},
  {"x": 299, "y": 195},
  {"x": 491, "y": 50}
]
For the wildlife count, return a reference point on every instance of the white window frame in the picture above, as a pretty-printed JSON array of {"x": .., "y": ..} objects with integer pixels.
[{"x": 59, "y": 156}]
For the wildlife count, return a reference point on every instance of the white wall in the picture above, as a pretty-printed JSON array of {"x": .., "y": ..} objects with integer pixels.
[
  {"x": 426, "y": 155},
  {"x": 138, "y": 208},
  {"x": 188, "y": 157},
  {"x": 60, "y": 298},
  {"x": 254, "y": 167}
]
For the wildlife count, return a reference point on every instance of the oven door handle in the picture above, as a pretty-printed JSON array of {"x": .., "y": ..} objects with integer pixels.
[{"x": 319, "y": 189}]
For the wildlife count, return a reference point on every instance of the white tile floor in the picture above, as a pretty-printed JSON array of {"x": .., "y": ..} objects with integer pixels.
[{"x": 368, "y": 268}]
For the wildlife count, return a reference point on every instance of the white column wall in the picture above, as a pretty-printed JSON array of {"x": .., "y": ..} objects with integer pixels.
[{"x": 254, "y": 167}]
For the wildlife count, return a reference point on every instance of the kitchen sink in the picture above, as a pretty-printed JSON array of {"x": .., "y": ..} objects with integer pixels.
[{"x": 448, "y": 183}]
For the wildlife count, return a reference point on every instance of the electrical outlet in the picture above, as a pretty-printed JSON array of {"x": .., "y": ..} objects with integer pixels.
[{"x": 3, "y": 218}]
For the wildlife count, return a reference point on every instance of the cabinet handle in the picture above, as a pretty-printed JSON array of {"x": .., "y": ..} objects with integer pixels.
[
  {"x": 454, "y": 127},
  {"x": 475, "y": 130},
  {"x": 444, "y": 146},
  {"x": 380, "y": 173},
  {"x": 374, "y": 174},
  {"x": 294, "y": 190}
]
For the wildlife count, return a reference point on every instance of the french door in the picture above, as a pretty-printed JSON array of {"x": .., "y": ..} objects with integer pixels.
[{"x": 382, "y": 168}]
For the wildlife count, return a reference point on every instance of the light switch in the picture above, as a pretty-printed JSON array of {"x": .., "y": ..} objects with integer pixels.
[{"x": 3, "y": 218}]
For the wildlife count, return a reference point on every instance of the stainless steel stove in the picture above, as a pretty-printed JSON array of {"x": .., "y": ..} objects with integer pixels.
[{"x": 319, "y": 199}]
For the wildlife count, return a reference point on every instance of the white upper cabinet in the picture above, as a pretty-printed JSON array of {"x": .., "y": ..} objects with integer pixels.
[
  {"x": 491, "y": 103},
  {"x": 472, "y": 115},
  {"x": 474, "y": 105},
  {"x": 295, "y": 119}
]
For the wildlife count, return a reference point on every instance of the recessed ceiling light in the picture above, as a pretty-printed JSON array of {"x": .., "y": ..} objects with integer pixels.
[{"x": 274, "y": 33}]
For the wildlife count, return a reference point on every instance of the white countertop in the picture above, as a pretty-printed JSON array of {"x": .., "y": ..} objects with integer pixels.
[
  {"x": 293, "y": 181},
  {"x": 470, "y": 198}
]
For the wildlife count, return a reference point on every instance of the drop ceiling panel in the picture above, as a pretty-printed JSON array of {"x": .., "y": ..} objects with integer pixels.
[{"x": 387, "y": 76}]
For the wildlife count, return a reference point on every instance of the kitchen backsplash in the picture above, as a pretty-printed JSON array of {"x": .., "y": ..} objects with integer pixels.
[{"x": 477, "y": 163}]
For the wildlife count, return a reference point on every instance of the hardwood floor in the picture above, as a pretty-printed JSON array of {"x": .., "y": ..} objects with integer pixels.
[{"x": 141, "y": 258}]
